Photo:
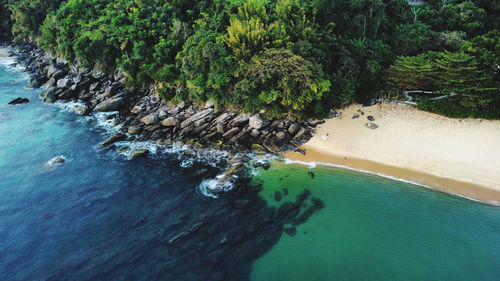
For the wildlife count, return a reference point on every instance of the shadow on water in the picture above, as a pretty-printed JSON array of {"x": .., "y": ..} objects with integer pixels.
[
  {"x": 144, "y": 228},
  {"x": 101, "y": 217}
]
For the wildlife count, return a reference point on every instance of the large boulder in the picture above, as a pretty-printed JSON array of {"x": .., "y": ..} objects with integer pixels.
[
  {"x": 114, "y": 138},
  {"x": 139, "y": 153},
  {"x": 49, "y": 95},
  {"x": 64, "y": 83},
  {"x": 112, "y": 104},
  {"x": 294, "y": 128},
  {"x": 19, "y": 101},
  {"x": 230, "y": 178},
  {"x": 170, "y": 122},
  {"x": 59, "y": 74},
  {"x": 239, "y": 120},
  {"x": 196, "y": 116},
  {"x": 255, "y": 122},
  {"x": 81, "y": 109},
  {"x": 150, "y": 118}
]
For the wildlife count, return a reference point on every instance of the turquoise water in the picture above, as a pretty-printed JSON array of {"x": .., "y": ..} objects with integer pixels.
[
  {"x": 100, "y": 216},
  {"x": 373, "y": 228}
]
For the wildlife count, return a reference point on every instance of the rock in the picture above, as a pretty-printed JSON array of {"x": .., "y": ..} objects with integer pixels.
[
  {"x": 64, "y": 83},
  {"x": 66, "y": 94},
  {"x": 264, "y": 164},
  {"x": 255, "y": 122},
  {"x": 98, "y": 75},
  {"x": 239, "y": 120},
  {"x": 370, "y": 118},
  {"x": 294, "y": 128},
  {"x": 56, "y": 161},
  {"x": 134, "y": 130},
  {"x": 49, "y": 96},
  {"x": 229, "y": 178},
  {"x": 300, "y": 133},
  {"x": 372, "y": 126},
  {"x": 139, "y": 153},
  {"x": 150, "y": 119},
  {"x": 355, "y": 116},
  {"x": 311, "y": 174},
  {"x": 112, "y": 104},
  {"x": 110, "y": 90},
  {"x": 259, "y": 150},
  {"x": 255, "y": 133},
  {"x": 136, "y": 109},
  {"x": 114, "y": 138},
  {"x": 94, "y": 86},
  {"x": 51, "y": 70},
  {"x": 170, "y": 122},
  {"x": 291, "y": 231},
  {"x": 154, "y": 99},
  {"x": 277, "y": 196},
  {"x": 59, "y": 74},
  {"x": 288, "y": 211},
  {"x": 81, "y": 109},
  {"x": 281, "y": 135},
  {"x": 196, "y": 116},
  {"x": 19, "y": 101},
  {"x": 317, "y": 121},
  {"x": 220, "y": 128},
  {"x": 231, "y": 132}
]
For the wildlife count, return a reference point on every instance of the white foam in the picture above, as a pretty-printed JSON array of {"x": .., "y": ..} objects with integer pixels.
[{"x": 67, "y": 106}]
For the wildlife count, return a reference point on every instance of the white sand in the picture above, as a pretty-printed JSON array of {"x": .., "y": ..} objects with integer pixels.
[{"x": 460, "y": 156}]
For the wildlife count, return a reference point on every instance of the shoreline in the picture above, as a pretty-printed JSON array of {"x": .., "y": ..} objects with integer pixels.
[{"x": 436, "y": 164}]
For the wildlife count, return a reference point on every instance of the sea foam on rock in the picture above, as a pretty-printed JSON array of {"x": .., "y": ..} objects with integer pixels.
[{"x": 144, "y": 116}]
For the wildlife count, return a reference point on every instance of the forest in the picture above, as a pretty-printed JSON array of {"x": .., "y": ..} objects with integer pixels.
[{"x": 283, "y": 56}]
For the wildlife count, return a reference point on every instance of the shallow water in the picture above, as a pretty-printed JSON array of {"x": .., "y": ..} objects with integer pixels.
[{"x": 373, "y": 228}]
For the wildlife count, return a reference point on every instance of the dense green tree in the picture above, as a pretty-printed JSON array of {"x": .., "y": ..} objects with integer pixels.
[
  {"x": 279, "y": 80},
  {"x": 5, "y": 23},
  {"x": 207, "y": 66},
  {"x": 412, "y": 39}
]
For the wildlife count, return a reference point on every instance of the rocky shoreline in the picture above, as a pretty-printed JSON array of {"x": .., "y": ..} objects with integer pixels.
[{"x": 144, "y": 116}]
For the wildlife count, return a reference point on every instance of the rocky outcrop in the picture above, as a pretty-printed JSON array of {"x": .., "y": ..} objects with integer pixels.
[
  {"x": 143, "y": 115},
  {"x": 112, "y": 104},
  {"x": 19, "y": 101}
]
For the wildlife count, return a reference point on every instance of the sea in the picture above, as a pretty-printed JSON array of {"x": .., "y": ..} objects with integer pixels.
[{"x": 100, "y": 215}]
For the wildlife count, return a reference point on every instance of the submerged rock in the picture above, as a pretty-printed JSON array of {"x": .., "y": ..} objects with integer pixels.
[
  {"x": 139, "y": 153},
  {"x": 370, "y": 118},
  {"x": 19, "y": 101},
  {"x": 114, "y": 138},
  {"x": 277, "y": 196},
  {"x": 56, "y": 161}
]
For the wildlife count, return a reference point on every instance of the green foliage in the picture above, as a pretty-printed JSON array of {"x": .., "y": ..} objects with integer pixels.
[
  {"x": 465, "y": 16},
  {"x": 283, "y": 55},
  {"x": 279, "y": 80},
  {"x": 206, "y": 65},
  {"x": 28, "y": 16},
  {"x": 5, "y": 23},
  {"x": 412, "y": 39}
]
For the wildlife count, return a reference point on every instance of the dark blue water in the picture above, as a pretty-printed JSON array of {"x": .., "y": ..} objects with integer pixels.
[{"x": 100, "y": 216}]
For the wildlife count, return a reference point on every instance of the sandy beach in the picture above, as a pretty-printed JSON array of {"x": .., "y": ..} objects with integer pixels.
[{"x": 459, "y": 156}]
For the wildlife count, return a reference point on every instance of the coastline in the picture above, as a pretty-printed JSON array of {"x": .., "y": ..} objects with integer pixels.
[{"x": 457, "y": 156}]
